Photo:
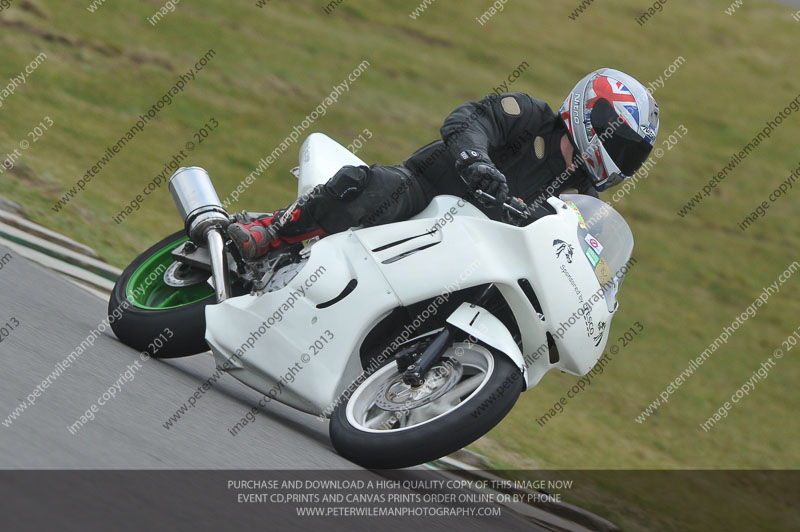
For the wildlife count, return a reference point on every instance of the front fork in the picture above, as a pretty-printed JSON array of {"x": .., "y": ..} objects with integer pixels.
[
  {"x": 205, "y": 220},
  {"x": 415, "y": 374}
]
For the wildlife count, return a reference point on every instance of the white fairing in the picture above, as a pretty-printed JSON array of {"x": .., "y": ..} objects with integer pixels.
[
  {"x": 320, "y": 158},
  {"x": 449, "y": 246}
]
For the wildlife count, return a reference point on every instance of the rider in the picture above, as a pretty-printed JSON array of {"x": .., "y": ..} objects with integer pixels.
[{"x": 511, "y": 144}]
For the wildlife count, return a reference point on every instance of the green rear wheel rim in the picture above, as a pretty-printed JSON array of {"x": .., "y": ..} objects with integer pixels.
[{"x": 147, "y": 290}]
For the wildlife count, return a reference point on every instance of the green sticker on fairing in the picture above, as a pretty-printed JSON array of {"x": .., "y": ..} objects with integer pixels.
[{"x": 593, "y": 257}]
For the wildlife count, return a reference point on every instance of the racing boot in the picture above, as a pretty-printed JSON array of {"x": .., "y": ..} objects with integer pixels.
[{"x": 283, "y": 227}]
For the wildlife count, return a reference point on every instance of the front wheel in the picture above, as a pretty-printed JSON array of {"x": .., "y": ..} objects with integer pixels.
[
  {"x": 150, "y": 315},
  {"x": 387, "y": 424}
]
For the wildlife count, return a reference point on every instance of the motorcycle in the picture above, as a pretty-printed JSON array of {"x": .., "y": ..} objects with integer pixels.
[{"x": 414, "y": 338}]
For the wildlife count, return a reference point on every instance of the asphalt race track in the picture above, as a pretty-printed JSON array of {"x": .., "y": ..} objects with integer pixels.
[{"x": 54, "y": 316}]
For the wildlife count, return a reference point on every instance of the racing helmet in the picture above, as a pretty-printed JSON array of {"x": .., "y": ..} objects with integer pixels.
[{"x": 613, "y": 123}]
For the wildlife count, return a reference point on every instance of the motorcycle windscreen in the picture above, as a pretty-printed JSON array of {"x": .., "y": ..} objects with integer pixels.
[{"x": 607, "y": 242}]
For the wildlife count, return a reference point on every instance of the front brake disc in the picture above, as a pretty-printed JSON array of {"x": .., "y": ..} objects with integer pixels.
[
  {"x": 179, "y": 275},
  {"x": 394, "y": 395}
]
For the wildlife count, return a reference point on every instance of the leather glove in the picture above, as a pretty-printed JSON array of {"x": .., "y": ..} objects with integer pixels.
[{"x": 479, "y": 173}]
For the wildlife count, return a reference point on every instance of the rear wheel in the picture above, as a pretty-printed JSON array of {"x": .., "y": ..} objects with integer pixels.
[
  {"x": 144, "y": 307},
  {"x": 388, "y": 424}
]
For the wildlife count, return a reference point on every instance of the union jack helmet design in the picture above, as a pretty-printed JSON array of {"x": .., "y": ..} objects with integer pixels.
[{"x": 613, "y": 121}]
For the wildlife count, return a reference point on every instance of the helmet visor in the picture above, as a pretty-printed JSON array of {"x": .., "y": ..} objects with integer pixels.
[
  {"x": 605, "y": 173},
  {"x": 626, "y": 148}
]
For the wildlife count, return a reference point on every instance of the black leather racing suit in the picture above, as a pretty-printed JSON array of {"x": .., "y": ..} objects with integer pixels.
[{"x": 521, "y": 136}]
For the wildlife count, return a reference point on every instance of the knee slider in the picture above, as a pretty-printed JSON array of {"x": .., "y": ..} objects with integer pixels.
[{"x": 348, "y": 182}]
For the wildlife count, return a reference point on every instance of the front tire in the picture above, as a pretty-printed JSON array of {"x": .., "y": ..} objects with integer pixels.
[
  {"x": 143, "y": 306},
  {"x": 377, "y": 429}
]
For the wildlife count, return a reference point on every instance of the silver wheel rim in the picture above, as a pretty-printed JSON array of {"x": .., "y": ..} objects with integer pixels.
[{"x": 472, "y": 364}]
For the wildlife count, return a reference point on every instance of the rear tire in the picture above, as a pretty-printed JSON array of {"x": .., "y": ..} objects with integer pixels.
[
  {"x": 146, "y": 307},
  {"x": 386, "y": 444}
]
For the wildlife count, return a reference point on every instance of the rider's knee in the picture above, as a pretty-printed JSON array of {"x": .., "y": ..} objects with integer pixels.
[{"x": 348, "y": 182}]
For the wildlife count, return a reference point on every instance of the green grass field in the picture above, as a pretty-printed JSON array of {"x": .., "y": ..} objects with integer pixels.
[{"x": 274, "y": 65}]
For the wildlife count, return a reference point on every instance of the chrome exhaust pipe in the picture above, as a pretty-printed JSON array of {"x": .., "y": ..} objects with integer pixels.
[
  {"x": 197, "y": 202},
  {"x": 205, "y": 220},
  {"x": 219, "y": 265}
]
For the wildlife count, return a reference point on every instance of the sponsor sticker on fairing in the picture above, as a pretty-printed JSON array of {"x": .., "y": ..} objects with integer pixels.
[
  {"x": 593, "y": 257},
  {"x": 581, "y": 221},
  {"x": 563, "y": 248},
  {"x": 603, "y": 272},
  {"x": 594, "y": 243}
]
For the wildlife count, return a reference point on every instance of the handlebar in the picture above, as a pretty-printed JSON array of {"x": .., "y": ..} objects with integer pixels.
[{"x": 516, "y": 207}]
